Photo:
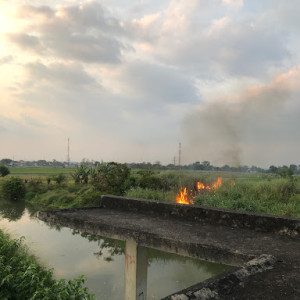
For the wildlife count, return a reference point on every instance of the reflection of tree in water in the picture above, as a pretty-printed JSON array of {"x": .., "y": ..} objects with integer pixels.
[
  {"x": 54, "y": 226},
  {"x": 33, "y": 214},
  {"x": 116, "y": 247},
  {"x": 155, "y": 255},
  {"x": 12, "y": 210},
  {"x": 31, "y": 210},
  {"x": 112, "y": 247}
]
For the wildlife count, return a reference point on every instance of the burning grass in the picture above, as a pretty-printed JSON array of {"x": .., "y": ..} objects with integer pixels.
[
  {"x": 276, "y": 196},
  {"x": 186, "y": 195},
  {"x": 253, "y": 193}
]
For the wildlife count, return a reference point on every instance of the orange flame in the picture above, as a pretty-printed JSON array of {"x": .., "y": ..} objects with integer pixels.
[{"x": 184, "y": 197}]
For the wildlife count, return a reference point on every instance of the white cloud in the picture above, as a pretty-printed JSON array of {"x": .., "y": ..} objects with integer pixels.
[
  {"x": 119, "y": 78},
  {"x": 86, "y": 33}
]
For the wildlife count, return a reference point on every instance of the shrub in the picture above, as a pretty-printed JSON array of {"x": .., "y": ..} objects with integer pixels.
[
  {"x": 112, "y": 178},
  {"x": 14, "y": 189},
  {"x": 35, "y": 185},
  {"x": 4, "y": 171},
  {"x": 23, "y": 278},
  {"x": 88, "y": 197},
  {"x": 148, "y": 180},
  {"x": 60, "y": 178}
]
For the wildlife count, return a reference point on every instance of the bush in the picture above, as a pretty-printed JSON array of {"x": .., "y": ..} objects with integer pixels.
[
  {"x": 112, "y": 178},
  {"x": 23, "y": 278},
  {"x": 148, "y": 180},
  {"x": 36, "y": 185},
  {"x": 4, "y": 171},
  {"x": 60, "y": 178},
  {"x": 14, "y": 189}
]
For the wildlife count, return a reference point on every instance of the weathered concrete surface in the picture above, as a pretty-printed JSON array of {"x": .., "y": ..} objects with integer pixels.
[
  {"x": 259, "y": 222},
  {"x": 206, "y": 234}
]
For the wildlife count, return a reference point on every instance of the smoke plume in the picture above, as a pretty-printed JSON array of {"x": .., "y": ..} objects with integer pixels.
[{"x": 242, "y": 129}]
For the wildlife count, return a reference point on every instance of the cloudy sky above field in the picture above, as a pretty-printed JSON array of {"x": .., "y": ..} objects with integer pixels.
[{"x": 128, "y": 80}]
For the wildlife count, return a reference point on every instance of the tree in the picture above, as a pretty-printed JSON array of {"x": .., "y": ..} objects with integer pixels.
[
  {"x": 81, "y": 174},
  {"x": 6, "y": 161},
  {"x": 285, "y": 172},
  {"x": 273, "y": 169},
  {"x": 112, "y": 177},
  {"x": 197, "y": 166},
  {"x": 206, "y": 165},
  {"x": 4, "y": 171},
  {"x": 14, "y": 189}
]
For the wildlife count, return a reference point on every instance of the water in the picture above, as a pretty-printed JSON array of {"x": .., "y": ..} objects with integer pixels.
[{"x": 71, "y": 253}]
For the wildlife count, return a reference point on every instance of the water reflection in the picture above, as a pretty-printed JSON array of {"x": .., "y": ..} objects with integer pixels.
[
  {"x": 11, "y": 210},
  {"x": 72, "y": 253}
]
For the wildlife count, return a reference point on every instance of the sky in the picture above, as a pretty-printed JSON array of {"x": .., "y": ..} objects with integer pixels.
[{"x": 128, "y": 81}]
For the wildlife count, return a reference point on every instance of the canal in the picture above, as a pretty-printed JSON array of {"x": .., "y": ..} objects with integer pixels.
[{"x": 71, "y": 253}]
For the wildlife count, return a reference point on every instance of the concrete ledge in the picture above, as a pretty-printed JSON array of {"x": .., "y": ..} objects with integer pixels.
[
  {"x": 249, "y": 241},
  {"x": 218, "y": 286},
  {"x": 260, "y": 222},
  {"x": 80, "y": 219}
]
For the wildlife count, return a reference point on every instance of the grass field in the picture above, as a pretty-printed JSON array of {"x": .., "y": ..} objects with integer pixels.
[
  {"x": 255, "y": 192},
  {"x": 39, "y": 171}
]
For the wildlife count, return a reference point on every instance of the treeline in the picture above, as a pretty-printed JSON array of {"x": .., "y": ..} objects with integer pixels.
[
  {"x": 207, "y": 166},
  {"x": 204, "y": 166}
]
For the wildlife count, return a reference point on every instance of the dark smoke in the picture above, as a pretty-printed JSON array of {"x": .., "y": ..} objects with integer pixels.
[{"x": 240, "y": 129}]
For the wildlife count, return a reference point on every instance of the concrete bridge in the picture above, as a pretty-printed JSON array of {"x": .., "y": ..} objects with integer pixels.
[{"x": 265, "y": 250}]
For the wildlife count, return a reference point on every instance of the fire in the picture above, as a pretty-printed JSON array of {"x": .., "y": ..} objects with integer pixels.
[{"x": 184, "y": 197}]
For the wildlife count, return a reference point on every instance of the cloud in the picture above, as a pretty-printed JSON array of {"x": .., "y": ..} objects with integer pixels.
[
  {"x": 157, "y": 84},
  {"x": 85, "y": 32},
  {"x": 6, "y": 59},
  {"x": 236, "y": 3},
  {"x": 121, "y": 77},
  {"x": 245, "y": 128},
  {"x": 190, "y": 35},
  {"x": 58, "y": 74}
]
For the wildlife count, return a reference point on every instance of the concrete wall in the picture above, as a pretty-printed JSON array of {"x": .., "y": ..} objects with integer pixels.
[{"x": 260, "y": 222}]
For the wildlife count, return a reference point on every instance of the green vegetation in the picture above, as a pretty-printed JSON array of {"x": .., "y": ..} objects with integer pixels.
[
  {"x": 4, "y": 171},
  {"x": 13, "y": 189},
  {"x": 39, "y": 171},
  {"x": 277, "y": 196},
  {"x": 23, "y": 278},
  {"x": 64, "y": 197},
  {"x": 83, "y": 186},
  {"x": 151, "y": 194}
]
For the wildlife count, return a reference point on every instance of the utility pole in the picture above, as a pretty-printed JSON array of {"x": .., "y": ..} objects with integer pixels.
[
  {"x": 68, "y": 158},
  {"x": 179, "y": 156}
]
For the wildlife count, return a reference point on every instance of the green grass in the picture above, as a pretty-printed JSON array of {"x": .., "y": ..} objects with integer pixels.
[
  {"x": 39, "y": 171},
  {"x": 151, "y": 194},
  {"x": 276, "y": 196},
  {"x": 64, "y": 197},
  {"x": 265, "y": 193}
]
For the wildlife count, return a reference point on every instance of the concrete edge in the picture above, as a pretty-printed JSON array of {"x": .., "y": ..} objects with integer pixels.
[
  {"x": 216, "y": 287},
  {"x": 195, "y": 250},
  {"x": 287, "y": 226}
]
